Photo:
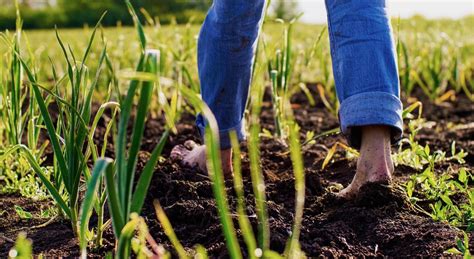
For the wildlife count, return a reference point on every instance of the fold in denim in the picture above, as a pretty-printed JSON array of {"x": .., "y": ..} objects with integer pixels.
[
  {"x": 364, "y": 67},
  {"x": 371, "y": 108},
  {"x": 363, "y": 59}
]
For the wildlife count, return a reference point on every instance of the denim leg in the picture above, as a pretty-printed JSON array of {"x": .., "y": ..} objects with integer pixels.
[
  {"x": 364, "y": 66},
  {"x": 226, "y": 48}
]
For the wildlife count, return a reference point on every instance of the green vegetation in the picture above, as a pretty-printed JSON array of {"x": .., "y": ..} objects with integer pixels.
[
  {"x": 87, "y": 12},
  {"x": 45, "y": 91},
  {"x": 22, "y": 248},
  {"x": 279, "y": 70},
  {"x": 123, "y": 199},
  {"x": 433, "y": 192},
  {"x": 283, "y": 9},
  {"x": 77, "y": 14}
]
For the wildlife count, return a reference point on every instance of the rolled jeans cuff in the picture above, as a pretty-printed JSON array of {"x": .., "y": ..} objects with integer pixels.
[
  {"x": 224, "y": 136},
  {"x": 371, "y": 108}
]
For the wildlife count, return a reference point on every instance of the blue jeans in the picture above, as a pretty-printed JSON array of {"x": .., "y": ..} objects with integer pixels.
[{"x": 363, "y": 57}]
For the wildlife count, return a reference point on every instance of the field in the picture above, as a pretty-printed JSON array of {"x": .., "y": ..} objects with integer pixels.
[{"x": 89, "y": 117}]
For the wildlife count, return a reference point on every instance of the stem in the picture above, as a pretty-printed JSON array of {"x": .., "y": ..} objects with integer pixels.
[
  {"x": 276, "y": 102},
  {"x": 278, "y": 128},
  {"x": 282, "y": 112},
  {"x": 75, "y": 229},
  {"x": 258, "y": 184},
  {"x": 100, "y": 223}
]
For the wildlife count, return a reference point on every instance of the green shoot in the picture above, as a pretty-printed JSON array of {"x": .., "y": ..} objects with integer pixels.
[
  {"x": 68, "y": 140},
  {"x": 280, "y": 70},
  {"x": 256, "y": 174},
  {"x": 244, "y": 223},
  {"x": 123, "y": 201},
  {"x": 214, "y": 168},
  {"x": 293, "y": 249},
  {"x": 22, "y": 249},
  {"x": 168, "y": 229}
]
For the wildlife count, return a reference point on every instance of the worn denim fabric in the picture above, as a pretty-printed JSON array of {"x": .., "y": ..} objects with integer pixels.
[{"x": 363, "y": 58}]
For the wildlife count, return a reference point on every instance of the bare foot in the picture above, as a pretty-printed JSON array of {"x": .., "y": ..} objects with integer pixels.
[
  {"x": 192, "y": 154},
  {"x": 375, "y": 161}
]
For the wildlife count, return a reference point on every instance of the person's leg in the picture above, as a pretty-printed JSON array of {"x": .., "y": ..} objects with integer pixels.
[
  {"x": 226, "y": 49},
  {"x": 366, "y": 77}
]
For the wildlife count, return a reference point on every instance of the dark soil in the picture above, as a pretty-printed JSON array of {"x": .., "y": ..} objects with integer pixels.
[{"x": 379, "y": 222}]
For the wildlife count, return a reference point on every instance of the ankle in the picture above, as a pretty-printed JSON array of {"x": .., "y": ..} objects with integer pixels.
[
  {"x": 226, "y": 158},
  {"x": 375, "y": 136},
  {"x": 375, "y": 153}
]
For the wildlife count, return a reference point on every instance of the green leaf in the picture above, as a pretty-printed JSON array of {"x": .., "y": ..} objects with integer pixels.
[
  {"x": 410, "y": 187},
  {"x": 121, "y": 139},
  {"x": 272, "y": 255},
  {"x": 293, "y": 250},
  {"x": 114, "y": 202},
  {"x": 23, "y": 214},
  {"x": 141, "y": 188},
  {"x": 48, "y": 123},
  {"x": 91, "y": 39},
  {"x": 446, "y": 200},
  {"x": 453, "y": 251},
  {"x": 244, "y": 222},
  {"x": 139, "y": 127},
  {"x": 462, "y": 176},
  {"x": 41, "y": 174},
  {"x": 460, "y": 245},
  {"x": 214, "y": 168},
  {"x": 453, "y": 148},
  {"x": 100, "y": 168},
  {"x": 126, "y": 235},
  {"x": 427, "y": 150},
  {"x": 201, "y": 252},
  {"x": 138, "y": 25},
  {"x": 168, "y": 229},
  {"x": 22, "y": 248}
]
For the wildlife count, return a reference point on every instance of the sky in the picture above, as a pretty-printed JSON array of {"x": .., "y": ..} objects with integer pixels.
[{"x": 315, "y": 11}]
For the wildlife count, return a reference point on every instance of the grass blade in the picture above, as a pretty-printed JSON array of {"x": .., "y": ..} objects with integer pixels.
[
  {"x": 168, "y": 229},
  {"x": 244, "y": 222},
  {"x": 141, "y": 188},
  {"x": 126, "y": 235},
  {"x": 214, "y": 168},
  {"x": 92, "y": 149},
  {"x": 294, "y": 250},
  {"x": 47, "y": 120},
  {"x": 138, "y": 25},
  {"x": 258, "y": 184},
  {"x": 91, "y": 39},
  {"x": 39, "y": 172},
  {"x": 139, "y": 125},
  {"x": 89, "y": 199},
  {"x": 121, "y": 140},
  {"x": 114, "y": 202}
]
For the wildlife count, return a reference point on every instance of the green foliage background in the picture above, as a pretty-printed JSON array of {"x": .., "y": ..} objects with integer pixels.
[
  {"x": 38, "y": 14},
  {"x": 77, "y": 13}
]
